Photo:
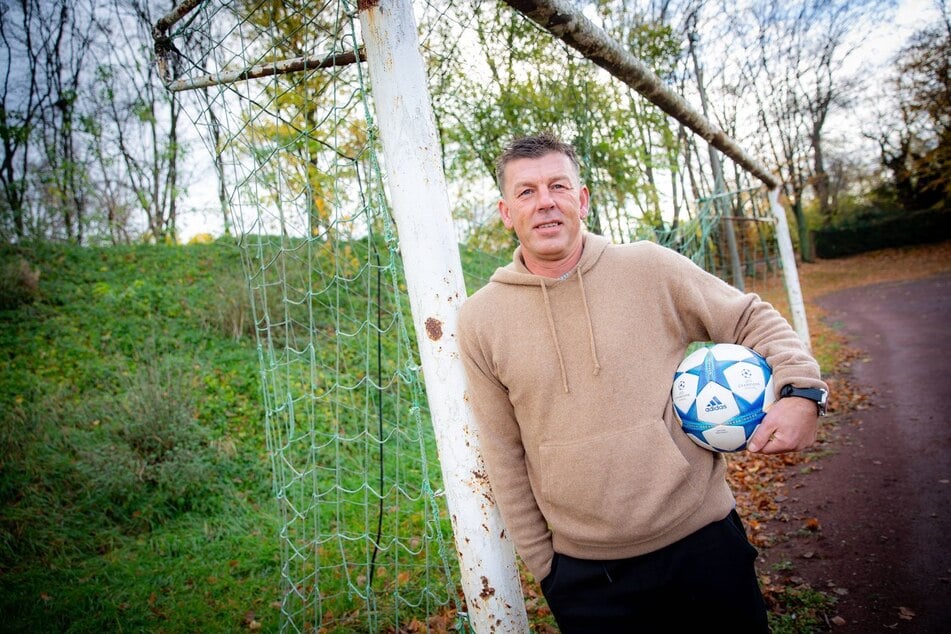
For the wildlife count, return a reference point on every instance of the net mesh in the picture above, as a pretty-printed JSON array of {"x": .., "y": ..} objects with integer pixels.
[
  {"x": 702, "y": 237},
  {"x": 364, "y": 532}
]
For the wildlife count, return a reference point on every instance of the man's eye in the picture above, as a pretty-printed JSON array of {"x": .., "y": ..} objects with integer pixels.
[{"x": 525, "y": 192}]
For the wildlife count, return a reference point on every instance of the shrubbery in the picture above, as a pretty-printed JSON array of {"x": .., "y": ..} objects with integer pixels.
[
  {"x": 19, "y": 282},
  {"x": 877, "y": 229}
]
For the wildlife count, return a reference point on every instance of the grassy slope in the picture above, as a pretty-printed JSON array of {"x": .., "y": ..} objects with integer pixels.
[
  {"x": 121, "y": 342},
  {"x": 134, "y": 481}
]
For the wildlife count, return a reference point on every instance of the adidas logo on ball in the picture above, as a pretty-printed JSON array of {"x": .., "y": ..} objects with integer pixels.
[{"x": 714, "y": 405}]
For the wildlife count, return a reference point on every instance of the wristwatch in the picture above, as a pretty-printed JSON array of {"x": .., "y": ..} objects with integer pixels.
[{"x": 816, "y": 394}]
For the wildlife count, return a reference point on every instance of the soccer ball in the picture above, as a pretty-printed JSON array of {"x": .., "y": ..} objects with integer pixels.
[{"x": 720, "y": 394}]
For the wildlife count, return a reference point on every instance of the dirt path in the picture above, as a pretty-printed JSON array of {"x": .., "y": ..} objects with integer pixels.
[{"x": 883, "y": 499}]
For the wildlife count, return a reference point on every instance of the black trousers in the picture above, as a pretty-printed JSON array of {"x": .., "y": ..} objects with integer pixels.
[{"x": 706, "y": 581}]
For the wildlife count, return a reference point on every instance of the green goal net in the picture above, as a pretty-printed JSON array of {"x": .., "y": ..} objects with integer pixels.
[{"x": 365, "y": 539}]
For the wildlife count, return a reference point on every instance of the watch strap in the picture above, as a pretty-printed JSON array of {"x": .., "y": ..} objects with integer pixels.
[{"x": 814, "y": 394}]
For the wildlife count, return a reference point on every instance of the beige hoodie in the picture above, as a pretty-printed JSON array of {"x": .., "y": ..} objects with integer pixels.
[{"x": 570, "y": 383}]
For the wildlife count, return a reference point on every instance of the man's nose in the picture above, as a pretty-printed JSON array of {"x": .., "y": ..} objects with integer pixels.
[{"x": 545, "y": 199}]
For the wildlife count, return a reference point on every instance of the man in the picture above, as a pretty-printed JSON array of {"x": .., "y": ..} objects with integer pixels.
[{"x": 570, "y": 352}]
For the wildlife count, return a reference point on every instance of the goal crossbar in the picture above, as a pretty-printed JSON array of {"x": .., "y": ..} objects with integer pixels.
[
  {"x": 279, "y": 67},
  {"x": 562, "y": 20}
]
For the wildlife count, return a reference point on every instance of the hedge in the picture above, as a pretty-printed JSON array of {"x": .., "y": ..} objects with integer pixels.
[{"x": 918, "y": 227}]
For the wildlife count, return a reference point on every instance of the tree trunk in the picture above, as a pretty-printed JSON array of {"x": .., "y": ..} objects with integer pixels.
[
  {"x": 805, "y": 244},
  {"x": 820, "y": 182},
  {"x": 217, "y": 143},
  {"x": 171, "y": 221},
  {"x": 719, "y": 185}
]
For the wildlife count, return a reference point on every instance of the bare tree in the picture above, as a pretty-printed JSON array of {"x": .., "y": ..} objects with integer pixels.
[
  {"x": 915, "y": 134},
  {"x": 141, "y": 120},
  {"x": 719, "y": 184},
  {"x": 794, "y": 68},
  {"x": 69, "y": 31},
  {"x": 22, "y": 99},
  {"x": 77, "y": 94}
]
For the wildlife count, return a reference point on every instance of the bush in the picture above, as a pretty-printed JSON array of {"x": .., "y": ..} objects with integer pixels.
[
  {"x": 158, "y": 461},
  {"x": 121, "y": 462},
  {"x": 19, "y": 283},
  {"x": 228, "y": 309}
]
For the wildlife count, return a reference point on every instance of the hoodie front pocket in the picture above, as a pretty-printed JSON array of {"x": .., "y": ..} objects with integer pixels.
[{"x": 625, "y": 487}]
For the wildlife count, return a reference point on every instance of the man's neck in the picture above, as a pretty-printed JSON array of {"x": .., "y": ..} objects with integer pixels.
[{"x": 555, "y": 269}]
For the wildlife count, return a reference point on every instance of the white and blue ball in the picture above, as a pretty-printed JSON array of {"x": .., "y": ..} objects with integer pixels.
[{"x": 721, "y": 394}]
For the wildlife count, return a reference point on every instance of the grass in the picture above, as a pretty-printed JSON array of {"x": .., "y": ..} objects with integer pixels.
[
  {"x": 804, "y": 610},
  {"x": 135, "y": 476}
]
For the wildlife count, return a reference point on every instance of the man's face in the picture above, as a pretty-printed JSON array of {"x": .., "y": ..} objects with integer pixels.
[{"x": 544, "y": 203}]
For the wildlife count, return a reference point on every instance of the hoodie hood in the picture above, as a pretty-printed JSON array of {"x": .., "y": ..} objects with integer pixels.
[{"x": 516, "y": 273}]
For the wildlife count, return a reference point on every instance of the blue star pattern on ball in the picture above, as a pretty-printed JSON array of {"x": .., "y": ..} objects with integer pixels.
[{"x": 720, "y": 395}]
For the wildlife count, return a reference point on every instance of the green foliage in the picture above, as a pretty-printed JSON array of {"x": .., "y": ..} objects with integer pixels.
[
  {"x": 479, "y": 265},
  {"x": 534, "y": 83}
]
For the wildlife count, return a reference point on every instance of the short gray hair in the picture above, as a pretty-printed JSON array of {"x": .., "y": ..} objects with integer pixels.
[{"x": 535, "y": 146}]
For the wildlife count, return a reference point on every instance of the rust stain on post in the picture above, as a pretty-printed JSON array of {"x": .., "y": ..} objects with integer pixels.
[
  {"x": 434, "y": 329},
  {"x": 366, "y": 5},
  {"x": 487, "y": 590}
]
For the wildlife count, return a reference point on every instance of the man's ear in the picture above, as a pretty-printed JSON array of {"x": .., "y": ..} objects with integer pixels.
[
  {"x": 585, "y": 198},
  {"x": 504, "y": 212}
]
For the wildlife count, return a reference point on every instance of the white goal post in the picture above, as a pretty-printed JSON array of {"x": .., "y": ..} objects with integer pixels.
[{"x": 436, "y": 288}]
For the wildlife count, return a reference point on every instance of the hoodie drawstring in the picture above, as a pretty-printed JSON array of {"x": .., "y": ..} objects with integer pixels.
[
  {"x": 554, "y": 333},
  {"x": 554, "y": 336},
  {"x": 587, "y": 314}
]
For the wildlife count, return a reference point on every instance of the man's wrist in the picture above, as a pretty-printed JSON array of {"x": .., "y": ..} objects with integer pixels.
[{"x": 817, "y": 395}]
